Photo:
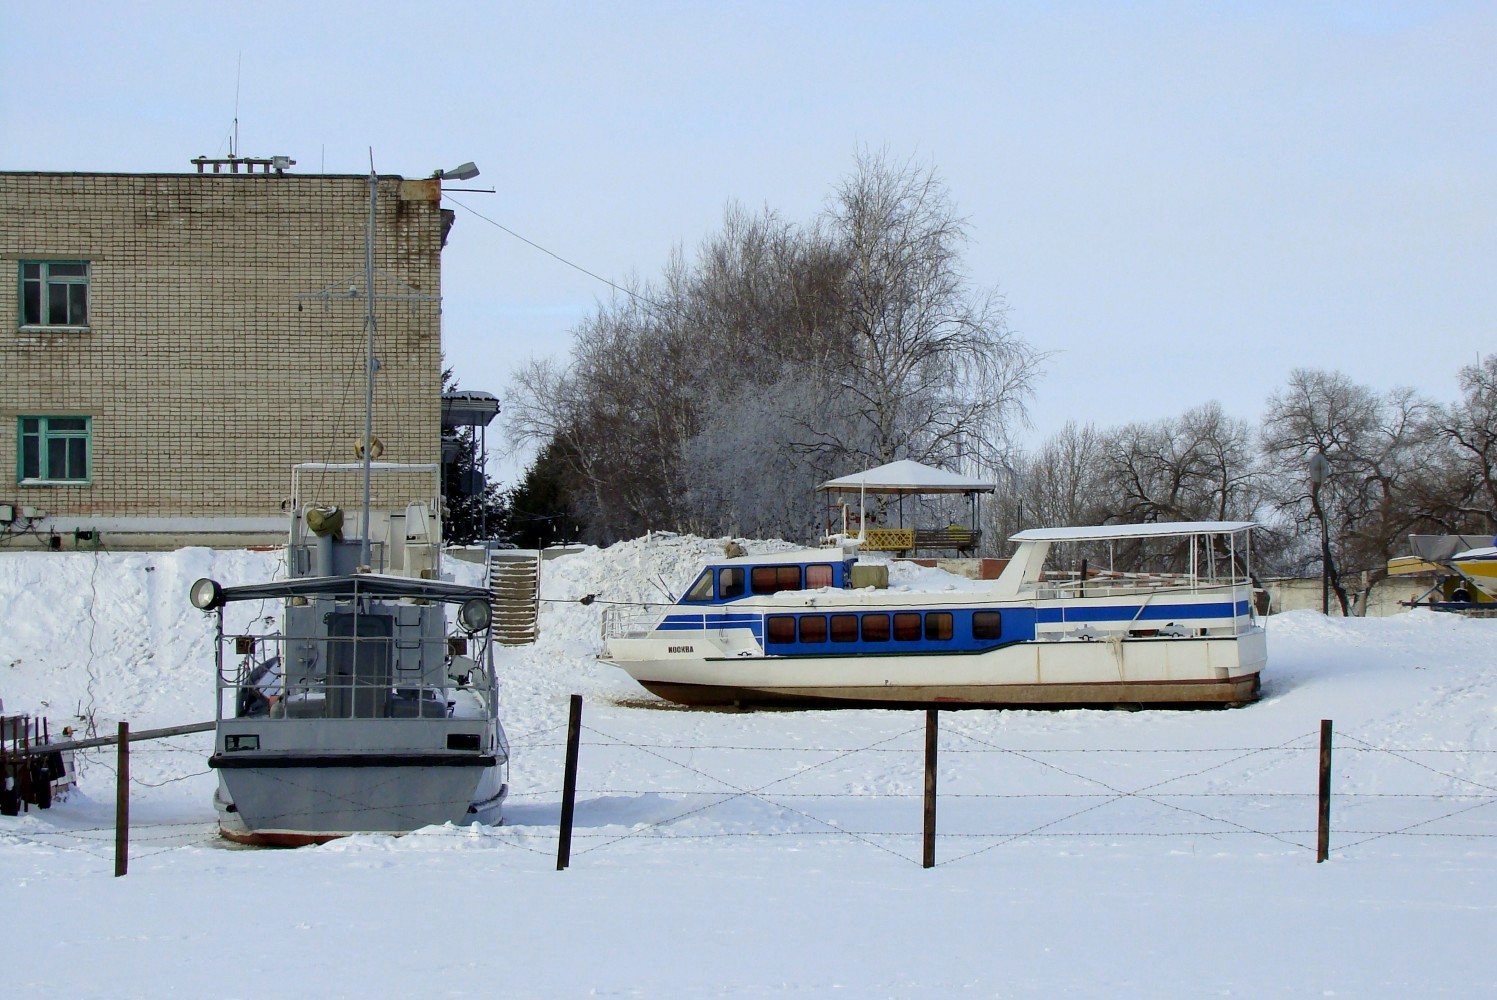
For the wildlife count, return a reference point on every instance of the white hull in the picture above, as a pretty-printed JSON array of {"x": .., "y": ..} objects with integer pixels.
[{"x": 1071, "y": 672}]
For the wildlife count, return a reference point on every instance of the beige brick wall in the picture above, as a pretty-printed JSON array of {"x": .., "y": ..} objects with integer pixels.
[{"x": 206, "y": 371}]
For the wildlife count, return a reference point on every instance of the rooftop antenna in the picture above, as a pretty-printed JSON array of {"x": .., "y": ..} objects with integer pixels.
[{"x": 238, "y": 65}]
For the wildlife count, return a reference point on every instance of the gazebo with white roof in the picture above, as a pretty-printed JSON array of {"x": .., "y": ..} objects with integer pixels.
[{"x": 906, "y": 478}]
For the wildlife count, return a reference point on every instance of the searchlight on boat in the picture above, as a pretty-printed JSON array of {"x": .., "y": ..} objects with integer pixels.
[{"x": 206, "y": 594}]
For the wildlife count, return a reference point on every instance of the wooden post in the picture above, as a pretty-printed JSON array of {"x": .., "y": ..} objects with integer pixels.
[
  {"x": 1323, "y": 833},
  {"x": 9, "y": 806},
  {"x": 23, "y": 779},
  {"x": 928, "y": 855},
  {"x": 122, "y": 803},
  {"x": 569, "y": 785}
]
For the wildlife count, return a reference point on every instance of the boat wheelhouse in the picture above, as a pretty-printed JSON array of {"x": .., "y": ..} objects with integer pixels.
[
  {"x": 353, "y": 706},
  {"x": 1109, "y": 615}
]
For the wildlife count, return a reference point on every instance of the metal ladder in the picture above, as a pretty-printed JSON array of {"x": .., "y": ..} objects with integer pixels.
[{"x": 515, "y": 586}]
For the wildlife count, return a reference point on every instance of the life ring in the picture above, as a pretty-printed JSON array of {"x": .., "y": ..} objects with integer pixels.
[{"x": 376, "y": 448}]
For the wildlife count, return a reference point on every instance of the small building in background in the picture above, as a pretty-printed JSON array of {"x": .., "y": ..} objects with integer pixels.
[{"x": 174, "y": 343}]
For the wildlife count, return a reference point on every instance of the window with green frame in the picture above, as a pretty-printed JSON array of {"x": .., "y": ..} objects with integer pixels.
[
  {"x": 53, "y": 450},
  {"x": 54, "y": 293}
]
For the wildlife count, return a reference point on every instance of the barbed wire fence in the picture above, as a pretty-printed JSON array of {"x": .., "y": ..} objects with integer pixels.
[
  {"x": 1220, "y": 792},
  {"x": 992, "y": 795},
  {"x": 149, "y": 837}
]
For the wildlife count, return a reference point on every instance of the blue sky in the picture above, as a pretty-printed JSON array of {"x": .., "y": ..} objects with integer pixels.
[{"x": 1180, "y": 201}]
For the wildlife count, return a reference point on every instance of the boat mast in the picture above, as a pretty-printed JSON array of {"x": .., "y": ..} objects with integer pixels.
[
  {"x": 345, "y": 290},
  {"x": 369, "y": 363}
]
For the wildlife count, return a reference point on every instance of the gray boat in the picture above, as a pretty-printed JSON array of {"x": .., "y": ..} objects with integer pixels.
[{"x": 358, "y": 707}]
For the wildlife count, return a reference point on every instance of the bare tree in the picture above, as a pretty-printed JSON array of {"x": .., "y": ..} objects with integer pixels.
[
  {"x": 780, "y": 357},
  {"x": 1199, "y": 466},
  {"x": 1470, "y": 499},
  {"x": 931, "y": 370},
  {"x": 1060, "y": 484},
  {"x": 1382, "y": 451}
]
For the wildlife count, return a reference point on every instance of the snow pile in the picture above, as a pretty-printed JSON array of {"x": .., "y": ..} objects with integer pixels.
[{"x": 767, "y": 853}]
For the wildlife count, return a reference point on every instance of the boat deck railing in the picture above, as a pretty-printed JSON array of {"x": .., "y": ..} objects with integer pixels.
[
  {"x": 1060, "y": 585},
  {"x": 632, "y": 622},
  {"x": 364, "y": 677}
]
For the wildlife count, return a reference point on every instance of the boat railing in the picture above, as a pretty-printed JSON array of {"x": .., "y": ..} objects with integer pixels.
[
  {"x": 363, "y": 677},
  {"x": 1054, "y": 585},
  {"x": 632, "y": 621}
]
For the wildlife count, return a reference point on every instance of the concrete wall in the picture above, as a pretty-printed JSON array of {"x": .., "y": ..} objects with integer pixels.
[
  {"x": 1382, "y": 599},
  {"x": 205, "y": 371}
]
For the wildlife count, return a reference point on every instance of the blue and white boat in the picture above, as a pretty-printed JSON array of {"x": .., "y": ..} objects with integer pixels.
[{"x": 1062, "y": 625}]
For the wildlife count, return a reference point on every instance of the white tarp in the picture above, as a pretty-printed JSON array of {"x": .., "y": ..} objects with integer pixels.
[{"x": 906, "y": 477}]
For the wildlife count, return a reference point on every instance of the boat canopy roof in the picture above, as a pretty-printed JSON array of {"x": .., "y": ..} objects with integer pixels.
[
  {"x": 355, "y": 585},
  {"x": 1109, "y": 532}
]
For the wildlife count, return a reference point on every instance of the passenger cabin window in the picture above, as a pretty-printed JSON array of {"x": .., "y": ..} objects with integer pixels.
[
  {"x": 773, "y": 579},
  {"x": 818, "y": 575},
  {"x": 844, "y": 628},
  {"x": 702, "y": 589},
  {"x": 938, "y": 626},
  {"x": 907, "y": 626},
  {"x": 875, "y": 628},
  {"x": 779, "y": 630},
  {"x": 987, "y": 624},
  {"x": 813, "y": 628},
  {"x": 730, "y": 583}
]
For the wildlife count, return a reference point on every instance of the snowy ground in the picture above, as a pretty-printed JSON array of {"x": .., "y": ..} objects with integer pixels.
[{"x": 1095, "y": 854}]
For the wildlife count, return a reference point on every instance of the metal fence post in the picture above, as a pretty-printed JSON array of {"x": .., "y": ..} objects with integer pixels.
[
  {"x": 928, "y": 854},
  {"x": 569, "y": 785},
  {"x": 1323, "y": 832},
  {"x": 122, "y": 803}
]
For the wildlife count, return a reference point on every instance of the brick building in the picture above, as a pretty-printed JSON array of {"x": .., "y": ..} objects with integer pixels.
[{"x": 168, "y": 357}]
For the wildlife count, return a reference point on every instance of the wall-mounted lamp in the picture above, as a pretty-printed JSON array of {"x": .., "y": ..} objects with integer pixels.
[{"x": 465, "y": 172}]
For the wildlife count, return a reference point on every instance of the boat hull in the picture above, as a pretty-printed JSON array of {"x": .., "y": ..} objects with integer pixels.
[
  {"x": 282, "y": 802},
  {"x": 1229, "y": 693},
  {"x": 1480, "y": 569},
  {"x": 1148, "y": 671}
]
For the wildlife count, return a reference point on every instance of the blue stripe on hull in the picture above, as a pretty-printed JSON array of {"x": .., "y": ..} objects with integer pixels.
[
  {"x": 1149, "y": 612},
  {"x": 1019, "y": 625}
]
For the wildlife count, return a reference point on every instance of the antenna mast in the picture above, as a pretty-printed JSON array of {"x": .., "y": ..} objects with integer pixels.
[
  {"x": 348, "y": 289},
  {"x": 369, "y": 362},
  {"x": 238, "y": 65}
]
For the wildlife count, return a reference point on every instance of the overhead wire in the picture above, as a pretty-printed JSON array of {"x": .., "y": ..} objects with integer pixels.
[{"x": 551, "y": 253}]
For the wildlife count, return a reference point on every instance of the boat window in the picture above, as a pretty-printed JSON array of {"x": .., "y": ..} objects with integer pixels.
[
  {"x": 987, "y": 624},
  {"x": 702, "y": 589},
  {"x": 875, "y": 628},
  {"x": 818, "y": 575},
  {"x": 938, "y": 625},
  {"x": 907, "y": 626},
  {"x": 844, "y": 628},
  {"x": 813, "y": 628},
  {"x": 779, "y": 629},
  {"x": 730, "y": 583},
  {"x": 773, "y": 579}
]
